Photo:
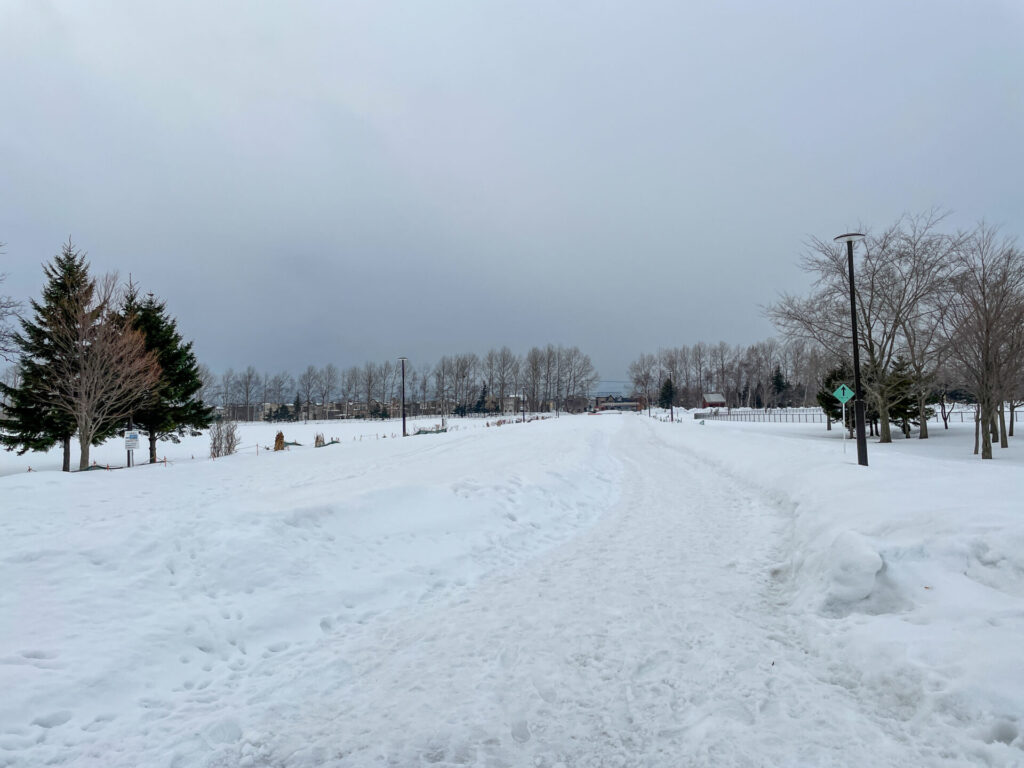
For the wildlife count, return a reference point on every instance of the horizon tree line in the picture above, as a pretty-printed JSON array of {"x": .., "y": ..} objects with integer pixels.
[
  {"x": 550, "y": 377},
  {"x": 940, "y": 317}
]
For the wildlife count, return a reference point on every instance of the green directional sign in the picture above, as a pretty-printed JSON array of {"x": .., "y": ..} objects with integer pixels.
[{"x": 843, "y": 394}]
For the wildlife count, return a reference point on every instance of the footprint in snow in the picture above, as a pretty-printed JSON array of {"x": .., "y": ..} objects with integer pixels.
[
  {"x": 53, "y": 719},
  {"x": 521, "y": 731}
]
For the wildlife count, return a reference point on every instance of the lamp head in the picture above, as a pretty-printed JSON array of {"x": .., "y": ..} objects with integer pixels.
[{"x": 850, "y": 237}]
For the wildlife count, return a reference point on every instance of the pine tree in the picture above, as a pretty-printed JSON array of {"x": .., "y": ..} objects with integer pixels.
[
  {"x": 905, "y": 409},
  {"x": 667, "y": 394},
  {"x": 172, "y": 409},
  {"x": 779, "y": 387},
  {"x": 841, "y": 374},
  {"x": 30, "y": 421}
]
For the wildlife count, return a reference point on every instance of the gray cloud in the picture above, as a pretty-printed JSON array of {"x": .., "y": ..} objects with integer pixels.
[{"x": 350, "y": 181}]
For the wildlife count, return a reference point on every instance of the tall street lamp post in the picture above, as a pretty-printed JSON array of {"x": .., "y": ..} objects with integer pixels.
[
  {"x": 862, "y": 441},
  {"x": 404, "y": 433}
]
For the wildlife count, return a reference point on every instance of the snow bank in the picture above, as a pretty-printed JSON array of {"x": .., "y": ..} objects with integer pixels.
[{"x": 911, "y": 568}]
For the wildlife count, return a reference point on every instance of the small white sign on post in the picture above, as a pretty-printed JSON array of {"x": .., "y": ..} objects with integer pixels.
[{"x": 131, "y": 441}]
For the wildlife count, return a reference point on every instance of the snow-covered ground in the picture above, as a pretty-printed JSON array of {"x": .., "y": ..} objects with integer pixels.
[{"x": 588, "y": 591}]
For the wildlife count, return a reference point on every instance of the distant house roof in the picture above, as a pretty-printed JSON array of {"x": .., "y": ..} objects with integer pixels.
[{"x": 714, "y": 398}]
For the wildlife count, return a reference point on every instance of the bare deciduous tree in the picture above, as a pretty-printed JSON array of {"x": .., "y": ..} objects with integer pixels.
[
  {"x": 350, "y": 386},
  {"x": 900, "y": 269},
  {"x": 8, "y": 311},
  {"x": 643, "y": 372},
  {"x": 533, "y": 377},
  {"x": 247, "y": 385},
  {"x": 328, "y": 386},
  {"x": 368, "y": 377},
  {"x": 102, "y": 370},
  {"x": 12, "y": 378},
  {"x": 280, "y": 388},
  {"x": 506, "y": 369},
  {"x": 227, "y": 388},
  {"x": 309, "y": 384},
  {"x": 985, "y": 311},
  {"x": 385, "y": 383},
  {"x": 208, "y": 391}
]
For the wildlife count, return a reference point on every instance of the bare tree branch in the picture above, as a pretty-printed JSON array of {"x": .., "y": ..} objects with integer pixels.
[{"x": 102, "y": 368}]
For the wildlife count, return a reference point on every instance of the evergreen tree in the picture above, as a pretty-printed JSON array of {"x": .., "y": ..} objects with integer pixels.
[
  {"x": 481, "y": 402},
  {"x": 841, "y": 374},
  {"x": 780, "y": 387},
  {"x": 297, "y": 413},
  {"x": 905, "y": 408},
  {"x": 172, "y": 409},
  {"x": 30, "y": 421},
  {"x": 667, "y": 394}
]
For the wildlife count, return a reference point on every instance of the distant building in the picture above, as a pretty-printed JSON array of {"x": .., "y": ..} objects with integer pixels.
[
  {"x": 615, "y": 403},
  {"x": 713, "y": 400}
]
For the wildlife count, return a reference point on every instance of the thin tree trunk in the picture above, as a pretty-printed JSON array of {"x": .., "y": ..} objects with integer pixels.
[
  {"x": 1003, "y": 442},
  {"x": 1013, "y": 405},
  {"x": 977, "y": 428},
  {"x": 986, "y": 432},
  {"x": 66, "y": 466},
  {"x": 152, "y": 447},
  {"x": 922, "y": 433}
]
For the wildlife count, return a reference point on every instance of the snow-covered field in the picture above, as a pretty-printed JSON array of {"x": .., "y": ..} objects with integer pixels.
[{"x": 589, "y": 591}]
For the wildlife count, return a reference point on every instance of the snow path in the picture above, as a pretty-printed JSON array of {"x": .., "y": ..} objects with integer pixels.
[
  {"x": 644, "y": 641},
  {"x": 591, "y": 591}
]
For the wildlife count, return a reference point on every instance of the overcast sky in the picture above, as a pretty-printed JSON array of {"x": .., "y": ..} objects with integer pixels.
[{"x": 313, "y": 182}]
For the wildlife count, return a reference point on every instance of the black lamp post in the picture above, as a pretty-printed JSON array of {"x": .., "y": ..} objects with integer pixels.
[
  {"x": 858, "y": 393},
  {"x": 404, "y": 433}
]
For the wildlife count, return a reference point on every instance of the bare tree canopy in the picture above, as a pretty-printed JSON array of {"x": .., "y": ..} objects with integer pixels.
[
  {"x": 983, "y": 321},
  {"x": 8, "y": 311},
  {"x": 897, "y": 280},
  {"x": 102, "y": 367}
]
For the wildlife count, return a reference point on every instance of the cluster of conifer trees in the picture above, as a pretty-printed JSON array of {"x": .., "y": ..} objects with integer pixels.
[{"x": 90, "y": 356}]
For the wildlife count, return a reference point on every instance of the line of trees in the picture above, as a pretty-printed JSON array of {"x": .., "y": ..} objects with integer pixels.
[
  {"x": 90, "y": 356},
  {"x": 940, "y": 319},
  {"x": 548, "y": 378},
  {"x": 767, "y": 374},
  {"x": 939, "y": 315}
]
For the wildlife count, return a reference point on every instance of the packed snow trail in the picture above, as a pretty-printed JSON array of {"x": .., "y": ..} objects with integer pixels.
[
  {"x": 657, "y": 638},
  {"x": 592, "y": 591}
]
